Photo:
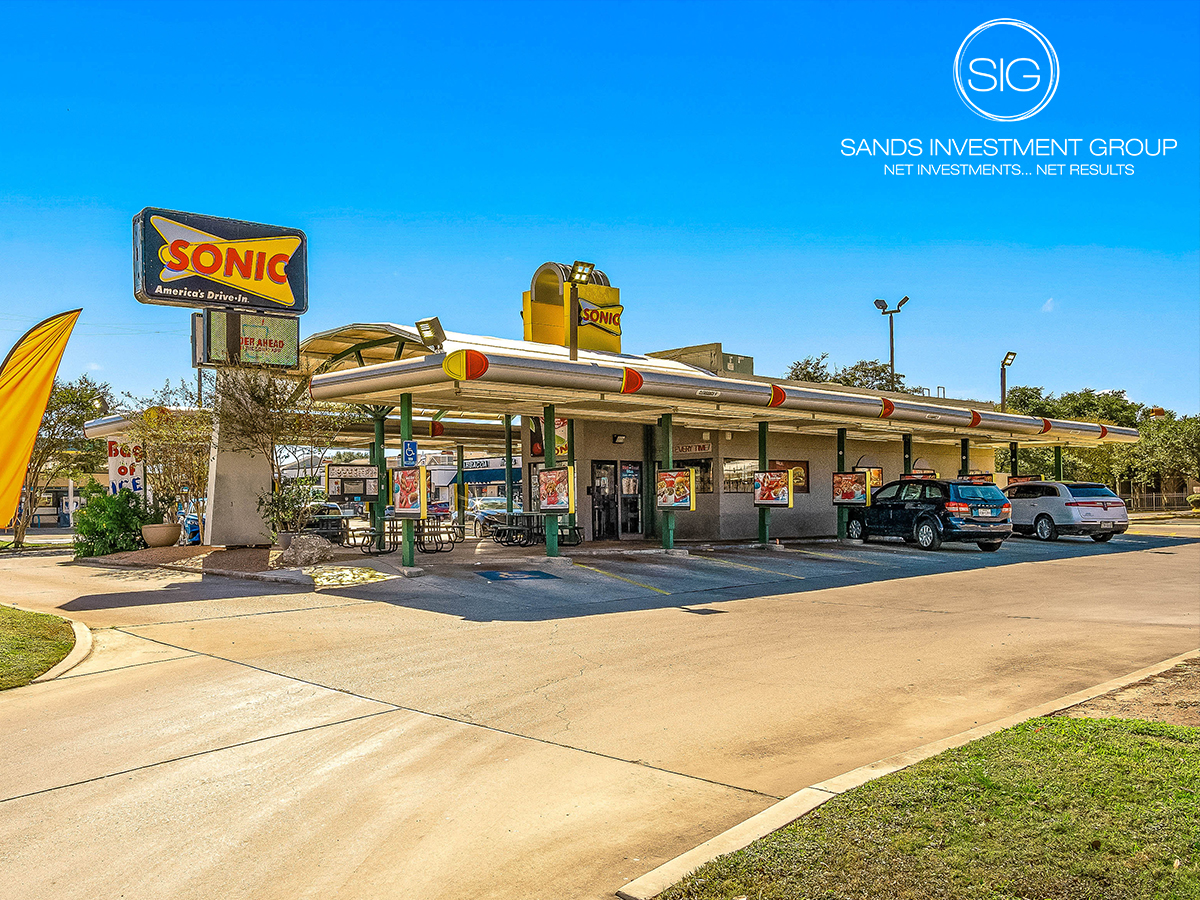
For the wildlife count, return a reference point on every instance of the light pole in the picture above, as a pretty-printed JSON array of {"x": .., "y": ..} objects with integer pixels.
[
  {"x": 580, "y": 273},
  {"x": 882, "y": 306},
  {"x": 1005, "y": 363}
]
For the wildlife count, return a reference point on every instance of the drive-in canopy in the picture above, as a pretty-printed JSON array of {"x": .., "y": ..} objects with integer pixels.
[{"x": 481, "y": 377}]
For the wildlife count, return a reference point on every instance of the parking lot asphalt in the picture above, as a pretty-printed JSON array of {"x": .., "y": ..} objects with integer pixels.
[{"x": 456, "y": 735}]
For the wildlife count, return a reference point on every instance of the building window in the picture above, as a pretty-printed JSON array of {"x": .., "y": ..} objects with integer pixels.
[
  {"x": 704, "y": 473},
  {"x": 738, "y": 476}
]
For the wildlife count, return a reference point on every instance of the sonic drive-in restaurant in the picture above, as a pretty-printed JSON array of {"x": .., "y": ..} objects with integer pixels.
[{"x": 686, "y": 443}]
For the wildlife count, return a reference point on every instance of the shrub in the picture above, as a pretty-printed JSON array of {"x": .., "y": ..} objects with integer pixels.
[
  {"x": 1194, "y": 501},
  {"x": 110, "y": 523},
  {"x": 290, "y": 505}
]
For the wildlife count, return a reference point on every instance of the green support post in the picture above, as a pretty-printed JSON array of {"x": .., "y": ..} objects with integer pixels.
[
  {"x": 551, "y": 518},
  {"x": 408, "y": 550},
  {"x": 841, "y": 467},
  {"x": 381, "y": 474},
  {"x": 1058, "y": 466},
  {"x": 460, "y": 493},
  {"x": 508, "y": 482},
  {"x": 668, "y": 439},
  {"x": 964, "y": 458},
  {"x": 907, "y": 454},
  {"x": 764, "y": 514},
  {"x": 649, "y": 474},
  {"x": 571, "y": 461},
  {"x": 1012, "y": 459}
]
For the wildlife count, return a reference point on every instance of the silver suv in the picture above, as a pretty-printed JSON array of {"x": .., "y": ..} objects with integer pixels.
[{"x": 1047, "y": 509}]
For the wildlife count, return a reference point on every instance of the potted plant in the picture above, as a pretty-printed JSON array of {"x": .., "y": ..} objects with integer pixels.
[
  {"x": 288, "y": 508},
  {"x": 162, "y": 527}
]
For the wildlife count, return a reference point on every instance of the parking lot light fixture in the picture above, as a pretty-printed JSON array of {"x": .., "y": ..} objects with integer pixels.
[
  {"x": 1004, "y": 364},
  {"x": 581, "y": 273},
  {"x": 882, "y": 306}
]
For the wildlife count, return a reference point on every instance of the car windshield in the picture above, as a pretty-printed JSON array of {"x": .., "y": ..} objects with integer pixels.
[
  {"x": 987, "y": 492},
  {"x": 491, "y": 503},
  {"x": 1090, "y": 490}
]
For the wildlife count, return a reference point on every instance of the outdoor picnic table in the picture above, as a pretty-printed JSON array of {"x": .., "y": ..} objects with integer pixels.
[{"x": 527, "y": 529}]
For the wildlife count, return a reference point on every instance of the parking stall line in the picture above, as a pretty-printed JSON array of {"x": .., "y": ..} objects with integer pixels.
[
  {"x": 726, "y": 562},
  {"x": 622, "y": 578}
]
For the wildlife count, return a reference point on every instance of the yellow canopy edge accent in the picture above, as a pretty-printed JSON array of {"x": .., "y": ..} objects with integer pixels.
[{"x": 26, "y": 379}]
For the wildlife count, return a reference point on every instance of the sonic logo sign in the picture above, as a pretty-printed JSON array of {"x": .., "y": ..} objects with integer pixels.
[
  {"x": 606, "y": 318},
  {"x": 185, "y": 259}
]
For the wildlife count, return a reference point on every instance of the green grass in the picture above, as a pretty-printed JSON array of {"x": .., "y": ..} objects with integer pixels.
[
  {"x": 30, "y": 644},
  {"x": 1053, "y": 809}
]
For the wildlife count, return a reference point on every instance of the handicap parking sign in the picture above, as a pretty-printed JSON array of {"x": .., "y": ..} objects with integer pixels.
[{"x": 408, "y": 453}]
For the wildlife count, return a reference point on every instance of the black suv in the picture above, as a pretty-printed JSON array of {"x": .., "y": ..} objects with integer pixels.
[{"x": 927, "y": 511}]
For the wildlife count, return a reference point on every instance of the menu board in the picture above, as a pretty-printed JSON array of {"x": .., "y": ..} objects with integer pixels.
[
  {"x": 675, "y": 489},
  {"x": 773, "y": 488},
  {"x": 556, "y": 489},
  {"x": 410, "y": 488},
  {"x": 874, "y": 473},
  {"x": 1021, "y": 479},
  {"x": 351, "y": 483},
  {"x": 851, "y": 489},
  {"x": 922, "y": 473},
  {"x": 979, "y": 478}
]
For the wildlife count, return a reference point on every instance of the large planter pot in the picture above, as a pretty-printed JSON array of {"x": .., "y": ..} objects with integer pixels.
[
  {"x": 161, "y": 535},
  {"x": 284, "y": 539}
]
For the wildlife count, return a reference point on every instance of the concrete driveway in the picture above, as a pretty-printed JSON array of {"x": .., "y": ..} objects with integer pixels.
[{"x": 453, "y": 736}]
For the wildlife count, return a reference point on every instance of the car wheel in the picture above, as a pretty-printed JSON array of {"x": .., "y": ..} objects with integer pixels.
[
  {"x": 1045, "y": 529},
  {"x": 1102, "y": 538},
  {"x": 855, "y": 530},
  {"x": 927, "y": 535},
  {"x": 989, "y": 546}
]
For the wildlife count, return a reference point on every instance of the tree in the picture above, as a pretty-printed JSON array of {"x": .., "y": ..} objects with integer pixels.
[
  {"x": 871, "y": 374},
  {"x": 175, "y": 433},
  {"x": 1167, "y": 451},
  {"x": 265, "y": 412},
  {"x": 811, "y": 368},
  {"x": 61, "y": 450}
]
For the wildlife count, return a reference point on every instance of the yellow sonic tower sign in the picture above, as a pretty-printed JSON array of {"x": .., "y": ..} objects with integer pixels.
[
  {"x": 185, "y": 259},
  {"x": 547, "y": 310}
]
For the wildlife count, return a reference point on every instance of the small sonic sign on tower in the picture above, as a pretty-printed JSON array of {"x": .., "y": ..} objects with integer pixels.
[{"x": 186, "y": 259}]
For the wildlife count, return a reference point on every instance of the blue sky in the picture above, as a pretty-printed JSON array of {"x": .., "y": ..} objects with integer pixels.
[{"x": 436, "y": 154}]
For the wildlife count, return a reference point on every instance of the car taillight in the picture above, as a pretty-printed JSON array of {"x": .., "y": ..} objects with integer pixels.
[
  {"x": 1084, "y": 503},
  {"x": 958, "y": 509},
  {"x": 1006, "y": 509}
]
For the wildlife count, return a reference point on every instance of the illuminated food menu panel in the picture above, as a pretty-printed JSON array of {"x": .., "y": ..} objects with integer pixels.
[
  {"x": 675, "y": 489},
  {"x": 773, "y": 488},
  {"x": 851, "y": 489}
]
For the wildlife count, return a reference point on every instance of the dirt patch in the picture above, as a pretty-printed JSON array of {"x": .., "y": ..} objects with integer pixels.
[
  {"x": 155, "y": 556},
  {"x": 1172, "y": 697}
]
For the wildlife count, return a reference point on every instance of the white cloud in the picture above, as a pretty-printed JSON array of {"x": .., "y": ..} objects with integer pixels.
[
  {"x": 94, "y": 367},
  {"x": 1048, "y": 306}
]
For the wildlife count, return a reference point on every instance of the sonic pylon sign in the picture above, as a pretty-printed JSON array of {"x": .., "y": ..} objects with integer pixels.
[{"x": 186, "y": 259}]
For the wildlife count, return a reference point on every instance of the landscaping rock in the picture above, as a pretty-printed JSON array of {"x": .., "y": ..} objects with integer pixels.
[{"x": 307, "y": 550}]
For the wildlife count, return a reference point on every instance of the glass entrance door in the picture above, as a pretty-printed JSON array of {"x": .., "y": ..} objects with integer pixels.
[
  {"x": 631, "y": 498},
  {"x": 604, "y": 501}
]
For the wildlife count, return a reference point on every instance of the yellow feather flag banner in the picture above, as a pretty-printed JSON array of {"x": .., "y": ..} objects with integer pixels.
[{"x": 26, "y": 379}]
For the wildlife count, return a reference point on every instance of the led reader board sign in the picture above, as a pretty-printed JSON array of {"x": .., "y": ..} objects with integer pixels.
[
  {"x": 223, "y": 337},
  {"x": 186, "y": 259}
]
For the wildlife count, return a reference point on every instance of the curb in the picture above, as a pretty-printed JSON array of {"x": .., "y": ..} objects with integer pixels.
[
  {"x": 280, "y": 576},
  {"x": 793, "y": 807},
  {"x": 652, "y": 551},
  {"x": 80, "y": 652}
]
